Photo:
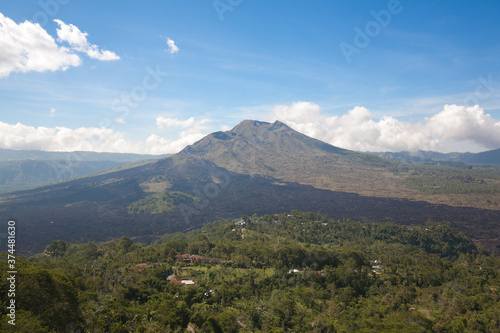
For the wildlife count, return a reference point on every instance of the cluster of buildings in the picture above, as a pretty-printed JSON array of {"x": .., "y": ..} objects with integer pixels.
[{"x": 376, "y": 267}]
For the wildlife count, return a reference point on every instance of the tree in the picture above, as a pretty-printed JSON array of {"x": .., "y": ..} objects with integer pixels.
[
  {"x": 124, "y": 245},
  {"x": 227, "y": 321},
  {"x": 57, "y": 248}
]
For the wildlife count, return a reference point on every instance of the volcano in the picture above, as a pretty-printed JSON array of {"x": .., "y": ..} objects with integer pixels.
[{"x": 255, "y": 168}]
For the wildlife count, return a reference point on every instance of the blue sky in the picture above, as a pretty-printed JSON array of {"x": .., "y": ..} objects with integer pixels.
[{"x": 365, "y": 75}]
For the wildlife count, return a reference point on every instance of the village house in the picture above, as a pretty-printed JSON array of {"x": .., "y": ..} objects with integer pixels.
[
  {"x": 182, "y": 282},
  {"x": 376, "y": 268},
  {"x": 240, "y": 223}
]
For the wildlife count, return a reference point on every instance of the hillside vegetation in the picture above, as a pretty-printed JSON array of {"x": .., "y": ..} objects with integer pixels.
[
  {"x": 160, "y": 203},
  {"x": 477, "y": 186},
  {"x": 458, "y": 159},
  {"x": 295, "y": 272}
]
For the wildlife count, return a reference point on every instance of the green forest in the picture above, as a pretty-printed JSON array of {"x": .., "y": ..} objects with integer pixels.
[
  {"x": 289, "y": 272},
  {"x": 160, "y": 203}
]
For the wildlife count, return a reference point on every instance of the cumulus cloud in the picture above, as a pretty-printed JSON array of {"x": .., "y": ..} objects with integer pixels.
[
  {"x": 300, "y": 112},
  {"x": 78, "y": 42},
  {"x": 20, "y": 136},
  {"x": 461, "y": 123},
  {"x": 455, "y": 128},
  {"x": 192, "y": 131},
  {"x": 172, "y": 48},
  {"x": 158, "y": 145},
  {"x": 52, "y": 113},
  {"x": 28, "y": 47}
]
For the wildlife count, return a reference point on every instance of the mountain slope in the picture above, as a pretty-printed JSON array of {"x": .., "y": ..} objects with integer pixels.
[
  {"x": 276, "y": 150},
  {"x": 255, "y": 168}
]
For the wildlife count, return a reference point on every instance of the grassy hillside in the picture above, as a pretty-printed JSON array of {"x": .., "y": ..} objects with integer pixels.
[
  {"x": 292, "y": 272},
  {"x": 159, "y": 203}
]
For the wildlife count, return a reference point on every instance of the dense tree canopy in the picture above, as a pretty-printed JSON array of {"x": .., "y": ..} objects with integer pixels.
[{"x": 295, "y": 272}]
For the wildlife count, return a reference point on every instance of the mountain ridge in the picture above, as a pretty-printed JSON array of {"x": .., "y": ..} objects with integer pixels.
[
  {"x": 26, "y": 169},
  {"x": 42, "y": 155},
  {"x": 276, "y": 150},
  {"x": 255, "y": 133}
]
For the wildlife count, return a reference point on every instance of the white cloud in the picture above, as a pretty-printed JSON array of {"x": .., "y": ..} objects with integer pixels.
[
  {"x": 191, "y": 123},
  {"x": 71, "y": 34},
  {"x": 28, "y": 47},
  {"x": 163, "y": 122},
  {"x": 300, "y": 112},
  {"x": 52, "y": 113},
  {"x": 21, "y": 136},
  {"x": 172, "y": 48},
  {"x": 461, "y": 123},
  {"x": 78, "y": 42},
  {"x": 455, "y": 128},
  {"x": 192, "y": 131},
  {"x": 158, "y": 145}
]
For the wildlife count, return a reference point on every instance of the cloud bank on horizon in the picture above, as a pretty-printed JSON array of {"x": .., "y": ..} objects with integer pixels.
[
  {"x": 100, "y": 139},
  {"x": 455, "y": 128}
]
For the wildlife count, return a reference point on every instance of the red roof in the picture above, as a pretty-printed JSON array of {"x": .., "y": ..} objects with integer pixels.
[{"x": 182, "y": 256}]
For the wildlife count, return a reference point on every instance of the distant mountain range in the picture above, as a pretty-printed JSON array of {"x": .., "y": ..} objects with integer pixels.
[
  {"x": 25, "y": 169},
  {"x": 74, "y": 156},
  {"x": 256, "y": 167},
  {"x": 453, "y": 159}
]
